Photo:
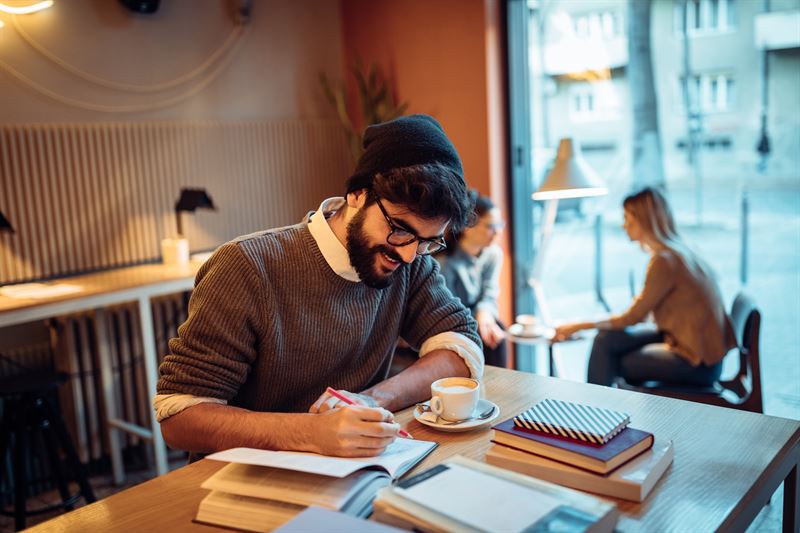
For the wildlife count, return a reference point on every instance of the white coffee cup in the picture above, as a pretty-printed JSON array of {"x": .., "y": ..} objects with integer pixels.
[
  {"x": 528, "y": 323},
  {"x": 455, "y": 399}
]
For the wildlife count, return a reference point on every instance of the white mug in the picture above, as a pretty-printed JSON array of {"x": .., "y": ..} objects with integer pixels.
[
  {"x": 455, "y": 399},
  {"x": 528, "y": 323}
]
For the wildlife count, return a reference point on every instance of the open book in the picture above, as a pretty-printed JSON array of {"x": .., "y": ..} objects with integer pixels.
[{"x": 261, "y": 490}]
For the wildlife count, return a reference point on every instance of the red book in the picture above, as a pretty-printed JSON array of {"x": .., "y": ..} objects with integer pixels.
[{"x": 626, "y": 445}]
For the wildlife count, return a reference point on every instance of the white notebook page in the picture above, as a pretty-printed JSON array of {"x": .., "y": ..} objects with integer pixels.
[
  {"x": 480, "y": 500},
  {"x": 398, "y": 453}
]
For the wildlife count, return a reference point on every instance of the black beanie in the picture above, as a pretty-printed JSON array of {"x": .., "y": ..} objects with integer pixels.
[{"x": 403, "y": 142}]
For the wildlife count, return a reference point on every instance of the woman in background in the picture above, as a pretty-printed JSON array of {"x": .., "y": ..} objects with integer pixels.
[
  {"x": 693, "y": 330},
  {"x": 471, "y": 268}
]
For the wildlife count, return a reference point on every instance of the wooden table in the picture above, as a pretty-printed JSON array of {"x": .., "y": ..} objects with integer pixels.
[
  {"x": 727, "y": 464},
  {"x": 100, "y": 290}
]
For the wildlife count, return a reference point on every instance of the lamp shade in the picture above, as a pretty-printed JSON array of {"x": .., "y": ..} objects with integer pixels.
[
  {"x": 571, "y": 176},
  {"x": 5, "y": 225},
  {"x": 191, "y": 199}
]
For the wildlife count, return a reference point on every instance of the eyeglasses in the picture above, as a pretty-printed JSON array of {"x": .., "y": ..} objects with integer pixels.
[{"x": 399, "y": 236}]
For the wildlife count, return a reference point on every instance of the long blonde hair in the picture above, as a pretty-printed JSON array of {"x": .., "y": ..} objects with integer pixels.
[{"x": 650, "y": 209}]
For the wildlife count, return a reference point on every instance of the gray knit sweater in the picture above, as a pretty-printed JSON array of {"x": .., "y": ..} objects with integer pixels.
[{"x": 271, "y": 325}]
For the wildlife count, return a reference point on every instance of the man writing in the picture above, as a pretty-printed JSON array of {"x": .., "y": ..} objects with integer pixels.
[{"x": 279, "y": 315}]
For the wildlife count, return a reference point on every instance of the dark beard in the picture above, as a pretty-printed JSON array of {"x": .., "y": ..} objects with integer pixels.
[{"x": 362, "y": 256}]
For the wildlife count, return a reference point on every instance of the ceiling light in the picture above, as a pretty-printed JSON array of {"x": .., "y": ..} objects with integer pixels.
[{"x": 26, "y": 10}]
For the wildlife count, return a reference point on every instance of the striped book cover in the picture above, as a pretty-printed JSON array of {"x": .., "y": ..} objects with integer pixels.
[{"x": 573, "y": 421}]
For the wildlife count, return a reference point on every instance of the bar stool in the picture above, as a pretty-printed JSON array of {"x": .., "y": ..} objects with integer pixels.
[{"x": 28, "y": 412}]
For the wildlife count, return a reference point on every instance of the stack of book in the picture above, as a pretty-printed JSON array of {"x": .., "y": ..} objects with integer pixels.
[
  {"x": 261, "y": 490},
  {"x": 583, "y": 447},
  {"x": 468, "y": 496}
]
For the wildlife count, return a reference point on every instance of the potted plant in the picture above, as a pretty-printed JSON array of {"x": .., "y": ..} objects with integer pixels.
[{"x": 377, "y": 101}]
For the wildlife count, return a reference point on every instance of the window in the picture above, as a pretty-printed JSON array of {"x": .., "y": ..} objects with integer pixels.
[
  {"x": 708, "y": 93},
  {"x": 597, "y": 25},
  {"x": 593, "y": 101},
  {"x": 582, "y": 101},
  {"x": 705, "y": 16},
  {"x": 713, "y": 171}
]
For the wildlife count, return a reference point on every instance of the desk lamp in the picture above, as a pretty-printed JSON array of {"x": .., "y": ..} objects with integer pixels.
[
  {"x": 176, "y": 251},
  {"x": 5, "y": 227},
  {"x": 570, "y": 177},
  {"x": 189, "y": 201}
]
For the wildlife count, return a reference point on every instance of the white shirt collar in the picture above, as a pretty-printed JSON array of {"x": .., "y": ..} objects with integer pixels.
[{"x": 332, "y": 249}]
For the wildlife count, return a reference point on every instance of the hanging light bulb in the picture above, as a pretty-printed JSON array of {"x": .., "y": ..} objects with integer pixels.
[{"x": 25, "y": 10}]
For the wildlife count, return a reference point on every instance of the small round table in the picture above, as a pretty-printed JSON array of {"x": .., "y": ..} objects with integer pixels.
[{"x": 541, "y": 336}]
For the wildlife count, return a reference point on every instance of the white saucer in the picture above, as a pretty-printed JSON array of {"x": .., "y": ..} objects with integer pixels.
[
  {"x": 467, "y": 425},
  {"x": 518, "y": 330}
]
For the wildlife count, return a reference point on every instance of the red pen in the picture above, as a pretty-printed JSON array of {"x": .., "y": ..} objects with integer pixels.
[{"x": 348, "y": 401}]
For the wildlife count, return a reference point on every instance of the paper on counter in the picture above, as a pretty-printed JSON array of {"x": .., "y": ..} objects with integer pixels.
[{"x": 38, "y": 291}]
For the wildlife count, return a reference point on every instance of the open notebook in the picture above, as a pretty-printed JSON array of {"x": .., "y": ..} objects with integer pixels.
[
  {"x": 261, "y": 490},
  {"x": 396, "y": 460}
]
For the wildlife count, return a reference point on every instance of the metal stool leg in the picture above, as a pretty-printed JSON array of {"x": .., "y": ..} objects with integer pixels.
[
  {"x": 5, "y": 435},
  {"x": 50, "y": 439},
  {"x": 65, "y": 441},
  {"x": 19, "y": 448}
]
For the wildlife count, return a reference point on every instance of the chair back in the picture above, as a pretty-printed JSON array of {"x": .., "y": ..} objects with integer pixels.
[
  {"x": 746, "y": 321},
  {"x": 744, "y": 390},
  {"x": 745, "y": 317}
]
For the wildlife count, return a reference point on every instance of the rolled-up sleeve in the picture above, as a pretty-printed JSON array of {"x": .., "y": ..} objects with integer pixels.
[{"x": 461, "y": 345}]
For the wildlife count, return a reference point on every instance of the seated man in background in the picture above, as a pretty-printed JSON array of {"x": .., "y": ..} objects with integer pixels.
[{"x": 279, "y": 315}]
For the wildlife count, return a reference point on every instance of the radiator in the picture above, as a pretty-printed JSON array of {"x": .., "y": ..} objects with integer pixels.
[{"x": 76, "y": 354}]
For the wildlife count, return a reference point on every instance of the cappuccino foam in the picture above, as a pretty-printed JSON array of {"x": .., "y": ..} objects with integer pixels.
[{"x": 456, "y": 389}]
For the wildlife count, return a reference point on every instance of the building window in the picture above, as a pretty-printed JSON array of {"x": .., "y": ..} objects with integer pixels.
[
  {"x": 705, "y": 17},
  {"x": 598, "y": 25},
  {"x": 708, "y": 93},
  {"x": 593, "y": 101}
]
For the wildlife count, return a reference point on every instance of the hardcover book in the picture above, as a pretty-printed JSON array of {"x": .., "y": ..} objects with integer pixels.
[
  {"x": 632, "y": 481},
  {"x": 627, "y": 444}
]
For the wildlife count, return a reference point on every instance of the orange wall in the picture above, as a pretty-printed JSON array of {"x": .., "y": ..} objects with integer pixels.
[{"x": 445, "y": 58}]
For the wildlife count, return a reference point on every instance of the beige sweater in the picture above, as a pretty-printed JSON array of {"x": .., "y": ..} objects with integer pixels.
[{"x": 687, "y": 307}]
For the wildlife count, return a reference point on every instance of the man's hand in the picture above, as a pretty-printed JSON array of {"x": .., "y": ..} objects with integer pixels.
[
  {"x": 328, "y": 401},
  {"x": 491, "y": 333},
  {"x": 353, "y": 431}
]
